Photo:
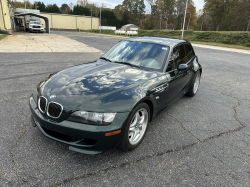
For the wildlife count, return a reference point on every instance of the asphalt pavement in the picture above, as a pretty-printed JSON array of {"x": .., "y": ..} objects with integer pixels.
[{"x": 199, "y": 141}]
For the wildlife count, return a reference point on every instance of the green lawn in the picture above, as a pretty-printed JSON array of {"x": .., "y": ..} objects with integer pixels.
[{"x": 3, "y": 36}]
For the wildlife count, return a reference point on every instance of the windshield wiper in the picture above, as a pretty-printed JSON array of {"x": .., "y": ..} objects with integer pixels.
[
  {"x": 127, "y": 63},
  {"x": 105, "y": 59},
  {"x": 133, "y": 65}
]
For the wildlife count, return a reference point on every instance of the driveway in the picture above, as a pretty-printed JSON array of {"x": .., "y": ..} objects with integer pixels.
[
  {"x": 199, "y": 141},
  {"x": 37, "y": 42}
]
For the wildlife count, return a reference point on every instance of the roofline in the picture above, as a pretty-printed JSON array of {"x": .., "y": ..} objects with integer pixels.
[
  {"x": 178, "y": 41},
  {"x": 32, "y": 14},
  {"x": 67, "y": 15},
  {"x": 165, "y": 37}
]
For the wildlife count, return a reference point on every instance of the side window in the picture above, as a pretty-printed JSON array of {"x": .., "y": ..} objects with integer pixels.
[
  {"x": 177, "y": 57},
  {"x": 189, "y": 52},
  {"x": 171, "y": 64}
]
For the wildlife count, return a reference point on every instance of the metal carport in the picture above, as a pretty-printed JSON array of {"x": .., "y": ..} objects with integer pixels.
[{"x": 36, "y": 15}]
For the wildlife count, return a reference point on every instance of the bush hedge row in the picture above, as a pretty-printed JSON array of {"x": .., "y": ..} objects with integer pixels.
[{"x": 216, "y": 37}]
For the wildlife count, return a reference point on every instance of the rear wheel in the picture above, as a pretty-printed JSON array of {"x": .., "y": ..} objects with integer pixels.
[
  {"x": 136, "y": 127},
  {"x": 195, "y": 85}
]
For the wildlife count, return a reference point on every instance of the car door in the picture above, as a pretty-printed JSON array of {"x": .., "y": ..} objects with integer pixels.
[
  {"x": 190, "y": 57},
  {"x": 178, "y": 79}
]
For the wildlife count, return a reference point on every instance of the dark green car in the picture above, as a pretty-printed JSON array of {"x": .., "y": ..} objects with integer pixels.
[{"x": 99, "y": 105}]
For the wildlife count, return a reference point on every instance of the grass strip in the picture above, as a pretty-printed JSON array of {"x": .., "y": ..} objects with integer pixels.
[{"x": 3, "y": 36}]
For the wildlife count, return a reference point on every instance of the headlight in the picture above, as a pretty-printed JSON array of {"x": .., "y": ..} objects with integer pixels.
[
  {"x": 30, "y": 26},
  {"x": 92, "y": 117}
]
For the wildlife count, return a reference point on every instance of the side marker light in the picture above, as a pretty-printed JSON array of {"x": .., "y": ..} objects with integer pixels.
[{"x": 113, "y": 133}]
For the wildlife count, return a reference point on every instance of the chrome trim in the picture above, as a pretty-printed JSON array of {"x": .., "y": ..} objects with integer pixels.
[
  {"x": 160, "y": 87},
  {"x": 38, "y": 103},
  {"x": 48, "y": 110}
]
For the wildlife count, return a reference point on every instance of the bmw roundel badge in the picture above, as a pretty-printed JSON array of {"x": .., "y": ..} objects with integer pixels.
[{"x": 52, "y": 96}]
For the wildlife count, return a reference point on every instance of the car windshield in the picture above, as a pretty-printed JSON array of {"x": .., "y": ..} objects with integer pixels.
[
  {"x": 35, "y": 22},
  {"x": 140, "y": 54}
]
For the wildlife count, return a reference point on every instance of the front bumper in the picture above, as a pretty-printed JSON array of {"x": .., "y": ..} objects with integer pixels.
[
  {"x": 83, "y": 138},
  {"x": 36, "y": 29}
]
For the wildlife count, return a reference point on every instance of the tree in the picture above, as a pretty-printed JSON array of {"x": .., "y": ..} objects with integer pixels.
[
  {"x": 94, "y": 8},
  {"x": 52, "y": 9},
  {"x": 82, "y": 3},
  {"x": 80, "y": 10},
  {"x": 219, "y": 10},
  {"x": 191, "y": 19},
  {"x": 119, "y": 12},
  {"x": 134, "y": 11},
  {"x": 40, "y": 6},
  {"x": 71, "y": 5},
  {"x": 65, "y": 8},
  {"x": 18, "y": 4}
]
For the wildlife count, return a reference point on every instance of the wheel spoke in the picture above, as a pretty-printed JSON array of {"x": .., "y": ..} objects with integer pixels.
[
  {"x": 142, "y": 117},
  {"x": 132, "y": 128},
  {"x": 137, "y": 132},
  {"x": 136, "y": 117}
]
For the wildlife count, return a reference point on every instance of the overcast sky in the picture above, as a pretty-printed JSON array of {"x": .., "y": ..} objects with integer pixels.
[{"x": 110, "y": 3}]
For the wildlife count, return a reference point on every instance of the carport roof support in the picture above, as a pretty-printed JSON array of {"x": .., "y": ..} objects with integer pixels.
[{"x": 46, "y": 19}]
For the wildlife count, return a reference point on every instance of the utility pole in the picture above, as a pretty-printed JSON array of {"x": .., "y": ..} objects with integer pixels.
[
  {"x": 91, "y": 18},
  {"x": 100, "y": 18},
  {"x": 160, "y": 22},
  {"x": 184, "y": 21}
]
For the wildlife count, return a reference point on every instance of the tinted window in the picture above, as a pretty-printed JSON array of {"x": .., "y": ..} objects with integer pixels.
[
  {"x": 177, "y": 57},
  {"x": 189, "y": 52}
]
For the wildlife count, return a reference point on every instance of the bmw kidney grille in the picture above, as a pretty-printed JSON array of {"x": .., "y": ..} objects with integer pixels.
[
  {"x": 42, "y": 104},
  {"x": 54, "y": 110}
]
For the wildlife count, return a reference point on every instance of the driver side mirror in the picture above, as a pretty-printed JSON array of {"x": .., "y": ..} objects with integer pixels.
[{"x": 182, "y": 67}]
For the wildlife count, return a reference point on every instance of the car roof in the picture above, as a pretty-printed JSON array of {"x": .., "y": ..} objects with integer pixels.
[{"x": 171, "y": 42}]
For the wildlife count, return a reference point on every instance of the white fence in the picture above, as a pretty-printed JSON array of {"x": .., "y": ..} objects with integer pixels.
[
  {"x": 129, "y": 33},
  {"x": 107, "y": 28}
]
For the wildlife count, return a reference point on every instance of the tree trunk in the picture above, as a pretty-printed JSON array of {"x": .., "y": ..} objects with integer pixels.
[
  {"x": 248, "y": 25},
  {"x": 217, "y": 29}
]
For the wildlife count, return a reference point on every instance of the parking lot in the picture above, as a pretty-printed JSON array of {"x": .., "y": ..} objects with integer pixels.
[{"x": 199, "y": 141}]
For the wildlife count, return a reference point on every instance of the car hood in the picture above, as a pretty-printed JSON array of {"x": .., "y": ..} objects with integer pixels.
[{"x": 76, "y": 85}]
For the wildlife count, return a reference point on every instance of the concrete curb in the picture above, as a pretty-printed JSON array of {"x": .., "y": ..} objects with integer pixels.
[{"x": 222, "y": 48}]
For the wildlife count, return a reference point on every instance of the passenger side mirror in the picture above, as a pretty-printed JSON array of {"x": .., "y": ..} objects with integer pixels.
[{"x": 182, "y": 67}]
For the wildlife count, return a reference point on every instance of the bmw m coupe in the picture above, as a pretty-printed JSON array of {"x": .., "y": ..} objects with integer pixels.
[{"x": 96, "y": 106}]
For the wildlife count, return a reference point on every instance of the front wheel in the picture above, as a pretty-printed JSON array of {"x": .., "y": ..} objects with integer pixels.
[
  {"x": 136, "y": 127},
  {"x": 195, "y": 85}
]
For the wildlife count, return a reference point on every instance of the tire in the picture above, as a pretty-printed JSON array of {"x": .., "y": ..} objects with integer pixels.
[
  {"x": 136, "y": 125},
  {"x": 195, "y": 85}
]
